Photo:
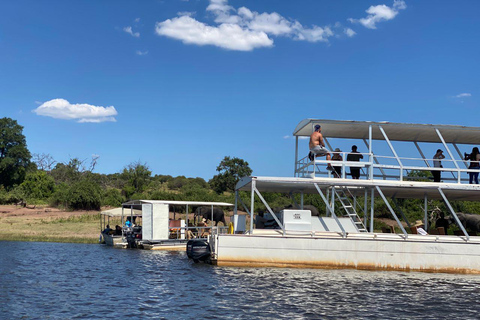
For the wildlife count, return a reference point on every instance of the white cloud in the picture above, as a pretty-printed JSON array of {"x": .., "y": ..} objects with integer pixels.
[
  {"x": 240, "y": 29},
  {"x": 130, "y": 32},
  {"x": 243, "y": 29},
  {"x": 349, "y": 32},
  {"x": 380, "y": 13},
  {"x": 463, "y": 95},
  {"x": 141, "y": 53},
  {"x": 137, "y": 20},
  {"x": 186, "y": 13},
  {"x": 62, "y": 109},
  {"x": 228, "y": 36},
  {"x": 286, "y": 137}
]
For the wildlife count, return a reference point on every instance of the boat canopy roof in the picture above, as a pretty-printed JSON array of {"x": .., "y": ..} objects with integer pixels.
[
  {"x": 390, "y": 188},
  {"x": 349, "y": 129},
  {"x": 137, "y": 204},
  {"x": 117, "y": 212}
]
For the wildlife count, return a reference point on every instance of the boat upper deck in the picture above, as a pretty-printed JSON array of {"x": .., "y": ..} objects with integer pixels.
[{"x": 388, "y": 157}]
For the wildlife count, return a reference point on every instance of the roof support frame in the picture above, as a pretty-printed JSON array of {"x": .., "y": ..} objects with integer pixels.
[
  {"x": 344, "y": 233},
  {"x": 393, "y": 150},
  {"x": 372, "y": 156},
  {"x": 449, "y": 153},
  {"x": 449, "y": 206},
  {"x": 269, "y": 210},
  {"x": 252, "y": 204},
  {"x": 391, "y": 211},
  {"x": 421, "y": 153},
  {"x": 425, "y": 211},
  {"x": 399, "y": 209},
  {"x": 460, "y": 154},
  {"x": 296, "y": 156},
  {"x": 365, "y": 207},
  {"x": 370, "y": 152},
  {"x": 372, "y": 208}
]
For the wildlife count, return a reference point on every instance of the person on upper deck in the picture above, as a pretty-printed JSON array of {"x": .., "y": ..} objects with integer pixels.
[
  {"x": 317, "y": 146},
  {"x": 128, "y": 223},
  {"x": 474, "y": 158},
  {"x": 437, "y": 175},
  {"x": 337, "y": 157},
  {"x": 354, "y": 156}
]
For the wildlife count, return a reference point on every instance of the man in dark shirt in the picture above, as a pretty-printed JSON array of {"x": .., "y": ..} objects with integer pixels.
[{"x": 354, "y": 156}]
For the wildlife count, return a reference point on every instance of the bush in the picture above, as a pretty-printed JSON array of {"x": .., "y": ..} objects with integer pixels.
[
  {"x": 113, "y": 198},
  {"x": 84, "y": 195},
  {"x": 60, "y": 197},
  {"x": 37, "y": 186}
]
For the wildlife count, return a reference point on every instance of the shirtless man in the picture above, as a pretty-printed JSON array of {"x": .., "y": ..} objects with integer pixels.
[{"x": 317, "y": 146}]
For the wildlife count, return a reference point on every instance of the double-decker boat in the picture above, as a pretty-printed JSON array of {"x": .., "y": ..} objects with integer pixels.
[{"x": 345, "y": 237}]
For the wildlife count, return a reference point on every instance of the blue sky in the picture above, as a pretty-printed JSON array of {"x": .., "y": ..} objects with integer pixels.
[{"x": 181, "y": 84}]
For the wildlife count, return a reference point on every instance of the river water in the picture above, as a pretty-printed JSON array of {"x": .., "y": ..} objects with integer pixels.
[{"x": 79, "y": 281}]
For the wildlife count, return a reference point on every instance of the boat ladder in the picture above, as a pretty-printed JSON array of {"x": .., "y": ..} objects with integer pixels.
[{"x": 350, "y": 211}]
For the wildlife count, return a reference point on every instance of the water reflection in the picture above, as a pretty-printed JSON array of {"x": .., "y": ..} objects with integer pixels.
[{"x": 76, "y": 281}]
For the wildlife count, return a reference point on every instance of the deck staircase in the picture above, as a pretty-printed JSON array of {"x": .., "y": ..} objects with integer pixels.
[{"x": 343, "y": 195}]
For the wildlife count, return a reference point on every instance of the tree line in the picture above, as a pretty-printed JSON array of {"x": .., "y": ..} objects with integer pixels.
[{"x": 37, "y": 179}]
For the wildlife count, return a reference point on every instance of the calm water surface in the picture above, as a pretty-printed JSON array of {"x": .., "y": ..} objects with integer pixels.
[{"x": 77, "y": 281}]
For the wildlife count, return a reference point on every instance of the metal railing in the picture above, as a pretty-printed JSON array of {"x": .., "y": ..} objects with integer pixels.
[{"x": 387, "y": 168}]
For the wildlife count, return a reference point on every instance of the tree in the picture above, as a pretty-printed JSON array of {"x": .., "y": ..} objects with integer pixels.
[
  {"x": 14, "y": 155},
  {"x": 44, "y": 161},
  {"x": 231, "y": 170},
  {"x": 136, "y": 176},
  {"x": 37, "y": 186},
  {"x": 84, "y": 195},
  {"x": 70, "y": 172}
]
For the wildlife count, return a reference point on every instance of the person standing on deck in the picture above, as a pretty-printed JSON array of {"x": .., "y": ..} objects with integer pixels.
[
  {"x": 354, "y": 156},
  {"x": 317, "y": 146},
  {"x": 337, "y": 157},
  {"x": 474, "y": 158},
  {"x": 437, "y": 175}
]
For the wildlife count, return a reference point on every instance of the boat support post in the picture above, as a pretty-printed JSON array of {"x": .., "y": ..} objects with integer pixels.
[
  {"x": 460, "y": 225},
  {"x": 372, "y": 156},
  {"x": 399, "y": 209},
  {"x": 391, "y": 211},
  {"x": 344, "y": 233},
  {"x": 269, "y": 210},
  {"x": 449, "y": 153},
  {"x": 393, "y": 151},
  {"x": 461, "y": 155},
  {"x": 372, "y": 209},
  {"x": 365, "y": 208},
  {"x": 252, "y": 204},
  {"x": 426, "y": 211}
]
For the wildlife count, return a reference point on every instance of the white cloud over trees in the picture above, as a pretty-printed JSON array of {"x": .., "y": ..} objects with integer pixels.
[{"x": 81, "y": 112}]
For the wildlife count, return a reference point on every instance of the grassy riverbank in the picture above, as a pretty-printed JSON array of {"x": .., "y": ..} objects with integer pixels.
[{"x": 48, "y": 225}]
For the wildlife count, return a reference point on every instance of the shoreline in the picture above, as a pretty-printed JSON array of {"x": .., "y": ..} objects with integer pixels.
[{"x": 46, "y": 224}]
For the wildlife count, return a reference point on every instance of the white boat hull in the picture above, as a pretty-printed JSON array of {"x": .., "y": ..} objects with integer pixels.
[{"x": 367, "y": 251}]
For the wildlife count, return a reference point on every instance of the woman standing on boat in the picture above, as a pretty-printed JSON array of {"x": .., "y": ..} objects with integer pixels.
[{"x": 474, "y": 158}]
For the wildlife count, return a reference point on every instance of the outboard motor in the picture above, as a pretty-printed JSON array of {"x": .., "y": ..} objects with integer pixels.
[
  {"x": 131, "y": 241},
  {"x": 198, "y": 250}
]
